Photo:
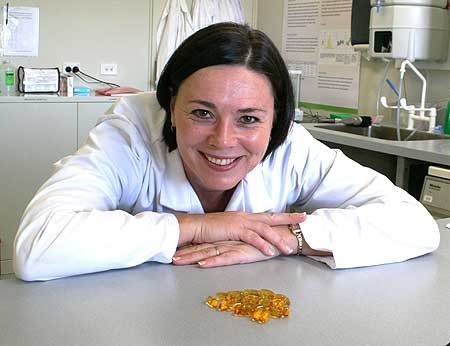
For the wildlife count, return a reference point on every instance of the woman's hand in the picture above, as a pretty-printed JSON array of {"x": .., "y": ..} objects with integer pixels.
[
  {"x": 256, "y": 229},
  {"x": 230, "y": 252},
  {"x": 218, "y": 254}
]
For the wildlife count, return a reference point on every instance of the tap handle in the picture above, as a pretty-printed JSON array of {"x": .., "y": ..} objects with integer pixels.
[{"x": 383, "y": 101}]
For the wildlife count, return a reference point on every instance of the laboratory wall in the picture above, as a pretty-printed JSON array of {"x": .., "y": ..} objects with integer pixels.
[
  {"x": 102, "y": 31},
  {"x": 270, "y": 20},
  {"x": 91, "y": 33},
  {"x": 113, "y": 31}
]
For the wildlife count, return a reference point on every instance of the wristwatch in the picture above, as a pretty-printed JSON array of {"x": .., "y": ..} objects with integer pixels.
[{"x": 296, "y": 230}]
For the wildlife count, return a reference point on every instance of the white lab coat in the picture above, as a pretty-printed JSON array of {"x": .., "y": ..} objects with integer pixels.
[
  {"x": 207, "y": 12},
  {"x": 174, "y": 27},
  {"x": 111, "y": 204},
  {"x": 231, "y": 10},
  {"x": 203, "y": 13}
]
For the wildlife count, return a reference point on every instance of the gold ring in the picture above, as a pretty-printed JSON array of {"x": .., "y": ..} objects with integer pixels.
[{"x": 217, "y": 250}]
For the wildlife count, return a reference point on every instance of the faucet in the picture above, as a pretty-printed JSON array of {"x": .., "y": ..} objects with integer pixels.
[{"x": 411, "y": 109}]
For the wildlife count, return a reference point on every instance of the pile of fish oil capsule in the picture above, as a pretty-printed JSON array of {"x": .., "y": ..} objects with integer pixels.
[{"x": 259, "y": 305}]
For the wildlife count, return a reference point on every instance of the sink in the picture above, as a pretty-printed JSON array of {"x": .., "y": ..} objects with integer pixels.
[{"x": 384, "y": 132}]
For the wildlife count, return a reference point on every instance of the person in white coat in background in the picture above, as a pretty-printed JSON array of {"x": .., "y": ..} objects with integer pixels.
[
  {"x": 212, "y": 178},
  {"x": 175, "y": 25},
  {"x": 207, "y": 12}
]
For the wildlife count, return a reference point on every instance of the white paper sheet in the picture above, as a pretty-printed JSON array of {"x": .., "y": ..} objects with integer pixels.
[
  {"x": 20, "y": 31},
  {"x": 316, "y": 40}
]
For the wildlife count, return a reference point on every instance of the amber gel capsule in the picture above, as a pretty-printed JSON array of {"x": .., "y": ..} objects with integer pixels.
[{"x": 259, "y": 305}]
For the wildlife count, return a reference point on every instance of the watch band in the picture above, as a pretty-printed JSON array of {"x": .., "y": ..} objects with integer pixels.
[{"x": 296, "y": 230}]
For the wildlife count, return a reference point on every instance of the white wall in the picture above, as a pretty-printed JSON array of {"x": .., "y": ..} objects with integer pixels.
[
  {"x": 270, "y": 19},
  {"x": 92, "y": 32}
]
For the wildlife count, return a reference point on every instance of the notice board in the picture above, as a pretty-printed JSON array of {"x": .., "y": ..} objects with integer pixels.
[{"x": 316, "y": 40}]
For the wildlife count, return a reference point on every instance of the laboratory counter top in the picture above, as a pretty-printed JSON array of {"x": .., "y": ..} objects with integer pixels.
[
  {"x": 401, "y": 304},
  {"x": 434, "y": 151}
]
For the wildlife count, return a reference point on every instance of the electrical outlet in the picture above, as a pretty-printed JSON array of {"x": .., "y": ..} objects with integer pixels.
[
  {"x": 71, "y": 65},
  {"x": 108, "y": 69}
]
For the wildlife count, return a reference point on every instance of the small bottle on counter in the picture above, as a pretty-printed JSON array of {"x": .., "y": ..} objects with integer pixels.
[
  {"x": 438, "y": 129},
  {"x": 7, "y": 79}
]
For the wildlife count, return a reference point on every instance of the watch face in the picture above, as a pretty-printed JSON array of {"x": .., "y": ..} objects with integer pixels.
[{"x": 294, "y": 228}]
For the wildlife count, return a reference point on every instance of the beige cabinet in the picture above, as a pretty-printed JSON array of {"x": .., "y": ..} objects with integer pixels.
[{"x": 34, "y": 135}]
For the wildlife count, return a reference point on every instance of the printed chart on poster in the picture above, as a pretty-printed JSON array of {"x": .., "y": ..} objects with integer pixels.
[{"x": 316, "y": 40}]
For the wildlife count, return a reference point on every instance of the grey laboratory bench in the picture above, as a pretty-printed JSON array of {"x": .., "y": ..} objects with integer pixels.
[
  {"x": 400, "y": 161},
  {"x": 400, "y": 304}
]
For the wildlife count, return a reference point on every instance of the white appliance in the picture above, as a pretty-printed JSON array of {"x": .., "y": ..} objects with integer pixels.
[
  {"x": 407, "y": 29},
  {"x": 435, "y": 194}
]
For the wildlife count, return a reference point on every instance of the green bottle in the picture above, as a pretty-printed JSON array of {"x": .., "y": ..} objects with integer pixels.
[
  {"x": 447, "y": 120},
  {"x": 7, "y": 79}
]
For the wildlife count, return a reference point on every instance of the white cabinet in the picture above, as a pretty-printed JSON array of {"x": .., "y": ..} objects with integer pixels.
[{"x": 33, "y": 135}]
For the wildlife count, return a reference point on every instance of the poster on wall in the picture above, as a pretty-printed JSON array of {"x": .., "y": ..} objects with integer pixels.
[
  {"x": 316, "y": 40},
  {"x": 20, "y": 34}
]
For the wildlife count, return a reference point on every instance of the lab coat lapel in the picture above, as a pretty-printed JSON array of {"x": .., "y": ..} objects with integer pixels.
[
  {"x": 177, "y": 193},
  {"x": 251, "y": 194}
]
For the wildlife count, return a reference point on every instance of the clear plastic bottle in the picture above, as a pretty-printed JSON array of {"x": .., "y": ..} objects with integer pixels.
[{"x": 7, "y": 79}]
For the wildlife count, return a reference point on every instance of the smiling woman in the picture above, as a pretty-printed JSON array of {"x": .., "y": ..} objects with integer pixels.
[{"x": 212, "y": 177}]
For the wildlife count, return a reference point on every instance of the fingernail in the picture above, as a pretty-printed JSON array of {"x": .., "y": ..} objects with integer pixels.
[
  {"x": 201, "y": 263},
  {"x": 289, "y": 249},
  {"x": 175, "y": 258},
  {"x": 271, "y": 252}
]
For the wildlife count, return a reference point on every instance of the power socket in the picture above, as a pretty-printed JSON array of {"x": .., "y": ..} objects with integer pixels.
[
  {"x": 71, "y": 65},
  {"x": 108, "y": 69}
]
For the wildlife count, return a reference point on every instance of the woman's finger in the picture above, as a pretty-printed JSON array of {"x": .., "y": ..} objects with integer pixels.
[
  {"x": 222, "y": 254},
  {"x": 260, "y": 236},
  {"x": 190, "y": 248},
  {"x": 235, "y": 255},
  {"x": 276, "y": 219},
  {"x": 228, "y": 258},
  {"x": 263, "y": 237},
  {"x": 196, "y": 254},
  {"x": 267, "y": 232}
]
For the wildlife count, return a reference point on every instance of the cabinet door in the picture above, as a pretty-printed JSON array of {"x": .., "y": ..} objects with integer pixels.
[
  {"x": 32, "y": 137},
  {"x": 88, "y": 113}
]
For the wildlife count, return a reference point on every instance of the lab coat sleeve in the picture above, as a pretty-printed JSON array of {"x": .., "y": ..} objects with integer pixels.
[
  {"x": 357, "y": 213},
  {"x": 79, "y": 221}
]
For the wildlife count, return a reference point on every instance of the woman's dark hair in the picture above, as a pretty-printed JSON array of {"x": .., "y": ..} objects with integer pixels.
[{"x": 229, "y": 44}]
